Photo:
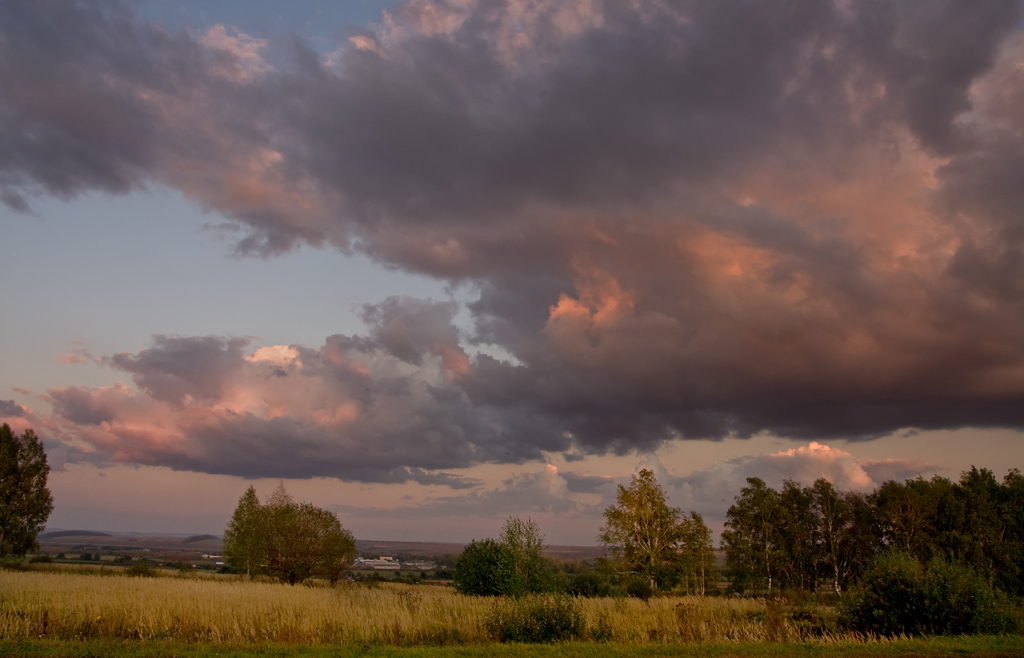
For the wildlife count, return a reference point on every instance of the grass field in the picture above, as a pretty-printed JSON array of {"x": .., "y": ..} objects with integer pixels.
[
  {"x": 58, "y": 613},
  {"x": 977, "y": 647}
]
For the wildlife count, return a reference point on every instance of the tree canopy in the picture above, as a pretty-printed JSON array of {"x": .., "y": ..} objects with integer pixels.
[
  {"x": 643, "y": 527},
  {"x": 287, "y": 540},
  {"x": 809, "y": 537},
  {"x": 513, "y": 565},
  {"x": 25, "y": 502}
]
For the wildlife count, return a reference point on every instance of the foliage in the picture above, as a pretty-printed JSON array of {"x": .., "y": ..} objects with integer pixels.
[
  {"x": 25, "y": 502},
  {"x": 833, "y": 532},
  {"x": 483, "y": 568},
  {"x": 244, "y": 543},
  {"x": 513, "y": 565},
  {"x": 902, "y": 597},
  {"x": 643, "y": 527},
  {"x": 640, "y": 588},
  {"x": 589, "y": 584},
  {"x": 141, "y": 569},
  {"x": 752, "y": 539},
  {"x": 814, "y": 537},
  {"x": 530, "y": 571},
  {"x": 545, "y": 618},
  {"x": 286, "y": 540},
  {"x": 697, "y": 567}
]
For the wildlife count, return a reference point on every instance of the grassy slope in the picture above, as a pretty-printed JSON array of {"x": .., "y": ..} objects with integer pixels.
[{"x": 983, "y": 647}]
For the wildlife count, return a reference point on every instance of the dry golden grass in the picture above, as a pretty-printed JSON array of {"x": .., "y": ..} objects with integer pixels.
[{"x": 76, "y": 605}]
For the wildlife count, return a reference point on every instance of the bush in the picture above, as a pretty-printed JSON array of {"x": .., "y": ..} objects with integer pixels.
[
  {"x": 544, "y": 618},
  {"x": 900, "y": 596},
  {"x": 483, "y": 569},
  {"x": 141, "y": 569},
  {"x": 40, "y": 559},
  {"x": 640, "y": 588},
  {"x": 589, "y": 584}
]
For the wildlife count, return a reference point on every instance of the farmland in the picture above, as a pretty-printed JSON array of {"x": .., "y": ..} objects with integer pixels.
[{"x": 49, "y": 612}]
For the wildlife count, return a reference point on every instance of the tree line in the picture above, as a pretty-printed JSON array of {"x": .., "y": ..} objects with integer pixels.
[
  {"x": 818, "y": 537},
  {"x": 797, "y": 537},
  {"x": 654, "y": 546}
]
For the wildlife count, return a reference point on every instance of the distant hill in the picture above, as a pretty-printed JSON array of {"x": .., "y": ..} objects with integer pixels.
[
  {"x": 73, "y": 533},
  {"x": 195, "y": 538}
]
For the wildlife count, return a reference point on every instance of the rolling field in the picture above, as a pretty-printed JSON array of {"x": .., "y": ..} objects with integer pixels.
[{"x": 56, "y": 613}]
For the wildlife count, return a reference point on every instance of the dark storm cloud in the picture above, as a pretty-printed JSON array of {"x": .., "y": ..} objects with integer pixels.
[
  {"x": 176, "y": 367},
  {"x": 353, "y": 409},
  {"x": 80, "y": 406},
  {"x": 71, "y": 118},
  {"x": 409, "y": 328},
  {"x": 684, "y": 219},
  {"x": 586, "y": 483},
  {"x": 9, "y": 409}
]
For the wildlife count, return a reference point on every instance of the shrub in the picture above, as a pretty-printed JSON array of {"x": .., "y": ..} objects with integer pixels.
[
  {"x": 40, "y": 559},
  {"x": 589, "y": 584},
  {"x": 900, "y": 596},
  {"x": 483, "y": 568},
  {"x": 537, "y": 618},
  {"x": 640, "y": 588},
  {"x": 141, "y": 569}
]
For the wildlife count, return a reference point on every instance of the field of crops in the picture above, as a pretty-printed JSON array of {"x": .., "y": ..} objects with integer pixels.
[
  {"x": 61, "y": 613},
  {"x": 65, "y": 605}
]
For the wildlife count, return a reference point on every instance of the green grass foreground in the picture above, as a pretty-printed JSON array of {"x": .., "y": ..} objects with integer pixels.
[{"x": 980, "y": 646}]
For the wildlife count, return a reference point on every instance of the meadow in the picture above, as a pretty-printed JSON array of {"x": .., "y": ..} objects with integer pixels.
[{"x": 58, "y": 612}]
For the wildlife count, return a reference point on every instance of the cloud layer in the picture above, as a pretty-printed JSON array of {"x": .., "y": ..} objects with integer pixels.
[{"x": 684, "y": 220}]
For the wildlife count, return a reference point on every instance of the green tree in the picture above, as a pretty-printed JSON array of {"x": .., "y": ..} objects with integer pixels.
[
  {"x": 797, "y": 556},
  {"x": 513, "y": 565},
  {"x": 751, "y": 538},
  {"x": 643, "y": 528},
  {"x": 530, "y": 571},
  {"x": 907, "y": 512},
  {"x": 697, "y": 554},
  {"x": 287, "y": 540},
  {"x": 483, "y": 568},
  {"x": 337, "y": 545},
  {"x": 1009, "y": 563},
  {"x": 835, "y": 538},
  {"x": 25, "y": 502},
  {"x": 245, "y": 546}
]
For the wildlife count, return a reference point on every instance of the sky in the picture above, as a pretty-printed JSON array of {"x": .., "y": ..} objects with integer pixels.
[{"x": 436, "y": 263}]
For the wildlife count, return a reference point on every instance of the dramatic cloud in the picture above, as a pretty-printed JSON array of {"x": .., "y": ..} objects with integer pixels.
[
  {"x": 378, "y": 409},
  {"x": 8, "y": 409},
  {"x": 684, "y": 220}
]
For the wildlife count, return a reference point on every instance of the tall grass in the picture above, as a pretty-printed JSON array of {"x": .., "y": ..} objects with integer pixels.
[{"x": 76, "y": 605}]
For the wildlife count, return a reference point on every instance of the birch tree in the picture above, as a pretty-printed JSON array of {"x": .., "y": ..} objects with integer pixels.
[{"x": 643, "y": 528}]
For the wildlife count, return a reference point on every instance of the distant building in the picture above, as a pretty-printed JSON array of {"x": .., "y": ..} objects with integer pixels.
[{"x": 380, "y": 564}]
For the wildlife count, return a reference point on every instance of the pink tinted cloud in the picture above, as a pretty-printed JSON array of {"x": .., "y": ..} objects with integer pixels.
[
  {"x": 377, "y": 409},
  {"x": 682, "y": 223},
  {"x": 77, "y": 354}
]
